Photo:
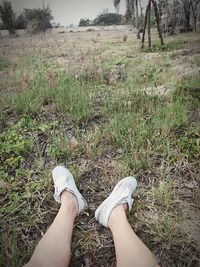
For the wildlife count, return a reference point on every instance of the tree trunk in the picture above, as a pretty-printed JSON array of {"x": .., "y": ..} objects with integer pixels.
[
  {"x": 194, "y": 16},
  {"x": 149, "y": 27},
  {"x": 158, "y": 21},
  {"x": 137, "y": 19},
  {"x": 186, "y": 8},
  {"x": 174, "y": 20},
  {"x": 145, "y": 23}
]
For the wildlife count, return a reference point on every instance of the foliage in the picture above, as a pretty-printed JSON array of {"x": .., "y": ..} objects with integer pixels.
[
  {"x": 130, "y": 10},
  {"x": 38, "y": 20},
  {"x": 14, "y": 145},
  {"x": 20, "y": 22},
  {"x": 179, "y": 15},
  {"x": 108, "y": 19},
  {"x": 84, "y": 22},
  {"x": 7, "y": 17}
]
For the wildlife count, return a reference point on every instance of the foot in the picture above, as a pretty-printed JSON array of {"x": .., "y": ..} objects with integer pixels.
[
  {"x": 121, "y": 194},
  {"x": 63, "y": 180},
  {"x": 116, "y": 213},
  {"x": 69, "y": 202}
]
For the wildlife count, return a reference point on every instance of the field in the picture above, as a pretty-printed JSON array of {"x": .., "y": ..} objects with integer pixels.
[{"x": 107, "y": 110}]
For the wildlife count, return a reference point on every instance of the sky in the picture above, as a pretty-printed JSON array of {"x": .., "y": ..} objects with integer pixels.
[{"x": 69, "y": 12}]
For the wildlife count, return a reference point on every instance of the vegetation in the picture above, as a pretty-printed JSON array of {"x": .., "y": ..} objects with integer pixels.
[
  {"x": 33, "y": 20},
  {"x": 179, "y": 15},
  {"x": 108, "y": 19},
  {"x": 132, "y": 13},
  {"x": 7, "y": 16},
  {"x": 84, "y": 22},
  {"x": 104, "y": 19},
  {"x": 38, "y": 20},
  {"x": 108, "y": 110}
]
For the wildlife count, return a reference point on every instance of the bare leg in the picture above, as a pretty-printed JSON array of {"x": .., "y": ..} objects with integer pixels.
[
  {"x": 54, "y": 248},
  {"x": 130, "y": 250}
]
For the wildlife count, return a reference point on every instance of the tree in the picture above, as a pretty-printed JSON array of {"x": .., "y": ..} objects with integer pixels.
[
  {"x": 179, "y": 14},
  {"x": 190, "y": 8},
  {"x": 8, "y": 17},
  {"x": 131, "y": 12},
  {"x": 137, "y": 20},
  {"x": 84, "y": 22},
  {"x": 195, "y": 8},
  {"x": 187, "y": 7},
  {"x": 20, "y": 22},
  {"x": 147, "y": 21},
  {"x": 108, "y": 19},
  {"x": 37, "y": 19}
]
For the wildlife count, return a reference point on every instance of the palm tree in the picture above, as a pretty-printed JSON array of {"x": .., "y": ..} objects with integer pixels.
[{"x": 131, "y": 8}]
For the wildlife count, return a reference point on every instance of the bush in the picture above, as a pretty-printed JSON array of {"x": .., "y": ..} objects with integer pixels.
[
  {"x": 33, "y": 26},
  {"x": 20, "y": 22},
  {"x": 108, "y": 19},
  {"x": 38, "y": 20},
  {"x": 84, "y": 22}
]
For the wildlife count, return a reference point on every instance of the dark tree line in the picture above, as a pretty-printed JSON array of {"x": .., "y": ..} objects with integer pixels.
[
  {"x": 33, "y": 20},
  {"x": 168, "y": 16},
  {"x": 103, "y": 19},
  {"x": 179, "y": 15}
]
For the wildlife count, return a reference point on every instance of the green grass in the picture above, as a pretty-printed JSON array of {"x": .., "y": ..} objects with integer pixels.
[
  {"x": 168, "y": 46},
  {"x": 58, "y": 147},
  {"x": 68, "y": 98},
  {"x": 163, "y": 194}
]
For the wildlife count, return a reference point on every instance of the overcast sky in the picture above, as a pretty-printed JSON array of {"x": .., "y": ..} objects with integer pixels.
[{"x": 69, "y": 12}]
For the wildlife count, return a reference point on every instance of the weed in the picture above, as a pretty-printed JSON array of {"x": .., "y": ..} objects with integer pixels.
[
  {"x": 14, "y": 146},
  {"x": 163, "y": 194},
  {"x": 164, "y": 228},
  {"x": 58, "y": 147}
]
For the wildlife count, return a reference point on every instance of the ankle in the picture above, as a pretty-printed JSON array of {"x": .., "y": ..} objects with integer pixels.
[
  {"x": 118, "y": 214},
  {"x": 69, "y": 202}
]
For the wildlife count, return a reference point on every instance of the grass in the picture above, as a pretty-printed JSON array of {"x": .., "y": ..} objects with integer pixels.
[
  {"x": 168, "y": 46},
  {"x": 102, "y": 131},
  {"x": 4, "y": 63}
]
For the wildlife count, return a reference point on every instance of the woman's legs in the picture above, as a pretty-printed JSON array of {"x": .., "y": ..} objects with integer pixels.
[
  {"x": 54, "y": 248},
  {"x": 130, "y": 250}
]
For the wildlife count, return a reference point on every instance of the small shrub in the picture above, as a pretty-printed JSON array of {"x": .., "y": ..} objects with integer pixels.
[
  {"x": 90, "y": 30},
  {"x": 14, "y": 146}
]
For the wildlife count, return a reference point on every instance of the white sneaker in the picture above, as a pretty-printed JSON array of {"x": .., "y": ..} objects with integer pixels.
[
  {"x": 63, "y": 180},
  {"x": 121, "y": 194}
]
